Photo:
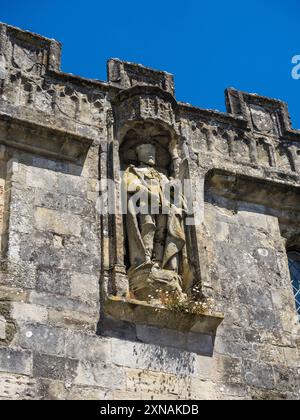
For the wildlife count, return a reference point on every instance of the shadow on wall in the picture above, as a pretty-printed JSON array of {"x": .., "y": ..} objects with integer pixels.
[
  {"x": 238, "y": 193},
  {"x": 169, "y": 341},
  {"x": 53, "y": 165}
]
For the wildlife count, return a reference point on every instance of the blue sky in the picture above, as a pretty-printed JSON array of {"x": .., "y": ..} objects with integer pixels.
[{"x": 207, "y": 45}]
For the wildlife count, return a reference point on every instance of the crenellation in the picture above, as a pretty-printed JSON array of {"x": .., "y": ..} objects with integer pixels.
[{"x": 130, "y": 74}]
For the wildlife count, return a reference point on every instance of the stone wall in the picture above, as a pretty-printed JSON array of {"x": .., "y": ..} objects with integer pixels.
[{"x": 56, "y": 341}]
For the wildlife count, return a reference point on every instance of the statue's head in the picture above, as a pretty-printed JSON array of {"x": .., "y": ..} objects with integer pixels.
[{"x": 146, "y": 154}]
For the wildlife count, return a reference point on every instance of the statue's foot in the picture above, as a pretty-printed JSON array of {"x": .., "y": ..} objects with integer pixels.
[{"x": 157, "y": 265}]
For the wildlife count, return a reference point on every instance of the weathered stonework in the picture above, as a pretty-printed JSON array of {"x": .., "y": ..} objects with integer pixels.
[{"x": 69, "y": 328}]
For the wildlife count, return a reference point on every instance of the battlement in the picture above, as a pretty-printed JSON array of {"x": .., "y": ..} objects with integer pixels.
[
  {"x": 35, "y": 55},
  {"x": 126, "y": 75},
  {"x": 28, "y": 52}
]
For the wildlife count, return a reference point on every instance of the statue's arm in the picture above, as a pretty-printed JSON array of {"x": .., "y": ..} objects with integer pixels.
[{"x": 132, "y": 183}]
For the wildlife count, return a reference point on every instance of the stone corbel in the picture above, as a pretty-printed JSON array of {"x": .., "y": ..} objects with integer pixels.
[
  {"x": 144, "y": 103},
  {"x": 142, "y": 313}
]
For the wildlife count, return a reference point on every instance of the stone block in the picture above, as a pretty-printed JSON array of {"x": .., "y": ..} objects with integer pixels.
[
  {"x": 41, "y": 178},
  {"x": 55, "y": 390},
  {"x": 41, "y": 338},
  {"x": 22, "y": 222},
  {"x": 64, "y": 203},
  {"x": 20, "y": 273},
  {"x": 72, "y": 320},
  {"x": 28, "y": 312},
  {"x": 83, "y": 346},
  {"x": 204, "y": 367},
  {"x": 152, "y": 357},
  {"x": 254, "y": 219},
  {"x": 273, "y": 354},
  {"x": 87, "y": 393},
  {"x": 61, "y": 302},
  {"x": 258, "y": 375},
  {"x": 8, "y": 325},
  {"x": 82, "y": 259},
  {"x": 45, "y": 255},
  {"x": 236, "y": 348},
  {"x": 221, "y": 232},
  {"x": 110, "y": 327},
  {"x": 52, "y": 280},
  {"x": 58, "y": 222},
  {"x": 15, "y": 361},
  {"x": 286, "y": 380},
  {"x": 226, "y": 370},
  {"x": 159, "y": 397},
  {"x": 100, "y": 375},
  {"x": 142, "y": 381},
  {"x": 161, "y": 336},
  {"x": 2, "y": 328},
  {"x": 124, "y": 396},
  {"x": 292, "y": 358},
  {"x": 204, "y": 390},
  {"x": 192, "y": 342},
  {"x": 72, "y": 185},
  {"x": 49, "y": 164},
  {"x": 13, "y": 294},
  {"x": 269, "y": 395},
  {"x": 85, "y": 287},
  {"x": 17, "y": 387},
  {"x": 53, "y": 367},
  {"x": 200, "y": 343},
  {"x": 232, "y": 392}
]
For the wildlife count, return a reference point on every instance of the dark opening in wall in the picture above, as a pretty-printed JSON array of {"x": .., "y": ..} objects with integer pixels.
[{"x": 294, "y": 265}]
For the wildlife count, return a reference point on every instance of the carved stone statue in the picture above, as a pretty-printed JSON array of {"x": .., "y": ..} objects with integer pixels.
[{"x": 155, "y": 229}]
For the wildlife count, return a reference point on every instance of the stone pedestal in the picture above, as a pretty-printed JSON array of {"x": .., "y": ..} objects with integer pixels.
[
  {"x": 142, "y": 313},
  {"x": 147, "y": 282}
]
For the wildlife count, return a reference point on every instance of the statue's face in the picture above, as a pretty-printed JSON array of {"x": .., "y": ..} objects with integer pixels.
[{"x": 147, "y": 154}]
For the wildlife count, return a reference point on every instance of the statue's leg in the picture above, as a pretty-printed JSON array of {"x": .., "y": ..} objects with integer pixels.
[
  {"x": 147, "y": 225},
  {"x": 174, "y": 263},
  {"x": 160, "y": 237}
]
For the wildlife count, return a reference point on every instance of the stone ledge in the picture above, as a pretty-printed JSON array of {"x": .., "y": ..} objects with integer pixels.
[
  {"x": 142, "y": 313},
  {"x": 277, "y": 194},
  {"x": 38, "y": 138}
]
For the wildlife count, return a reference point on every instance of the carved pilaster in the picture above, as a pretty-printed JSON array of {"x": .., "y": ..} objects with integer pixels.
[
  {"x": 252, "y": 149},
  {"x": 3, "y": 200},
  {"x": 208, "y": 131},
  {"x": 272, "y": 154},
  {"x": 295, "y": 158},
  {"x": 113, "y": 235}
]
